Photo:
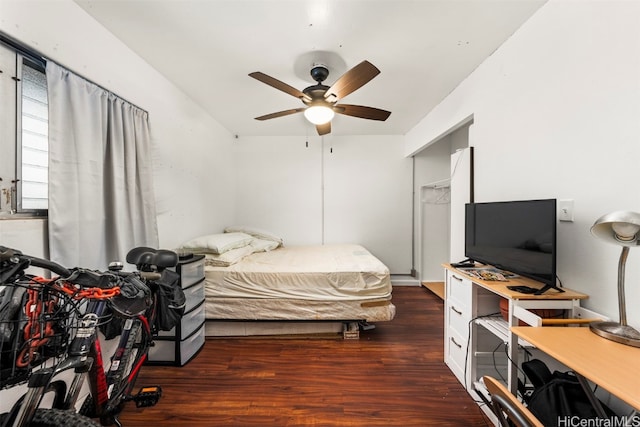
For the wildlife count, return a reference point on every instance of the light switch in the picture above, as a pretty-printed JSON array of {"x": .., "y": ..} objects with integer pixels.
[{"x": 565, "y": 210}]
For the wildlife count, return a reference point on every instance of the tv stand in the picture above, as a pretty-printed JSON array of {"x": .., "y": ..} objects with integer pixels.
[{"x": 474, "y": 326}]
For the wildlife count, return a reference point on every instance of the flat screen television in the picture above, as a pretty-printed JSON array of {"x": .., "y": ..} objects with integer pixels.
[{"x": 517, "y": 236}]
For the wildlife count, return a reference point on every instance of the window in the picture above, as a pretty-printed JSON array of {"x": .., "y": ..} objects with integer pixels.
[
  {"x": 34, "y": 143},
  {"x": 24, "y": 134}
]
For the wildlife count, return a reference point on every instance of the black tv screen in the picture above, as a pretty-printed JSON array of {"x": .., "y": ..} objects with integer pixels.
[{"x": 517, "y": 236}]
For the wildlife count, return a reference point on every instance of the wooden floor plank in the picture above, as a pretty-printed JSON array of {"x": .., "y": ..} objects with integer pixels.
[{"x": 394, "y": 375}]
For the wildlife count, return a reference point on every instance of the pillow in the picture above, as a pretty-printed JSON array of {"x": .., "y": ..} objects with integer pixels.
[
  {"x": 217, "y": 243},
  {"x": 255, "y": 232},
  {"x": 228, "y": 258},
  {"x": 260, "y": 245}
]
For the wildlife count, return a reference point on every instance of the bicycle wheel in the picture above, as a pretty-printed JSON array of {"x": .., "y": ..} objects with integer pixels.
[{"x": 59, "y": 417}]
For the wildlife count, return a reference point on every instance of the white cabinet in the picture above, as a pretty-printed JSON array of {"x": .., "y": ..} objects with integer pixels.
[
  {"x": 182, "y": 343},
  {"x": 477, "y": 338},
  {"x": 457, "y": 317}
]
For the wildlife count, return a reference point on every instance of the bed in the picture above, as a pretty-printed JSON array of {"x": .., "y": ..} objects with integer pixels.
[{"x": 295, "y": 289}]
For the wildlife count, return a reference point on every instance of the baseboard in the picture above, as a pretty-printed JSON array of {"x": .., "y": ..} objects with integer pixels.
[{"x": 404, "y": 280}]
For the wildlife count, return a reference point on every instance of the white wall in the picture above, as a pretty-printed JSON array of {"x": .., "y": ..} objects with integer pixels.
[
  {"x": 280, "y": 186},
  {"x": 368, "y": 197},
  {"x": 192, "y": 152},
  {"x": 28, "y": 235},
  {"x": 556, "y": 115},
  {"x": 353, "y": 189}
]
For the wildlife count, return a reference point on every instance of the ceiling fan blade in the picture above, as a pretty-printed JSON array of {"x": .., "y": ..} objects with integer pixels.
[
  {"x": 279, "y": 85},
  {"x": 280, "y": 114},
  {"x": 324, "y": 129},
  {"x": 353, "y": 79},
  {"x": 362, "y": 112}
]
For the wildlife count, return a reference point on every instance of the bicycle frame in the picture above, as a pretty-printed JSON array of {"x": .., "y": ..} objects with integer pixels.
[{"x": 102, "y": 383}]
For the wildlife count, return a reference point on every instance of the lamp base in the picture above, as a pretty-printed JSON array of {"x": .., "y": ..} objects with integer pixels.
[{"x": 613, "y": 331}]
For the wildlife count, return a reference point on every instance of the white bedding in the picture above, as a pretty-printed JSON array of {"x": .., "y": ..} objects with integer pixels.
[
  {"x": 328, "y": 282},
  {"x": 327, "y": 272}
]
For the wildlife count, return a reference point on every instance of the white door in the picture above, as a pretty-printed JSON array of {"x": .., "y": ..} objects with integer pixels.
[{"x": 461, "y": 193}]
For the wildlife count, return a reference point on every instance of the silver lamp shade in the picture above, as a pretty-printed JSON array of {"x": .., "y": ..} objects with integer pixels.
[{"x": 623, "y": 229}]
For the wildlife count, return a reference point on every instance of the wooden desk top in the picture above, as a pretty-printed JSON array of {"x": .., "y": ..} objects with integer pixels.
[
  {"x": 613, "y": 366},
  {"x": 501, "y": 289}
]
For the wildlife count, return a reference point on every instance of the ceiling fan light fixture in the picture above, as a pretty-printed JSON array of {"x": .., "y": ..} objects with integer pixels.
[
  {"x": 320, "y": 100},
  {"x": 319, "y": 114}
]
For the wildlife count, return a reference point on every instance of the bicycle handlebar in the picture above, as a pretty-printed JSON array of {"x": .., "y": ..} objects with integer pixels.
[
  {"x": 49, "y": 265},
  {"x": 7, "y": 253}
]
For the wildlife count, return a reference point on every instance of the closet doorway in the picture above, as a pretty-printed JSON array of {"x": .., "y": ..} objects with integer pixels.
[{"x": 443, "y": 184}]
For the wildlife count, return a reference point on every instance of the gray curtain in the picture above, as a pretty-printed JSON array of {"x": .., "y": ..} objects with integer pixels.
[{"x": 101, "y": 197}]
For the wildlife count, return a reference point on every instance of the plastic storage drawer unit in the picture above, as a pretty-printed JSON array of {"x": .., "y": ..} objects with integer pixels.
[{"x": 182, "y": 343}]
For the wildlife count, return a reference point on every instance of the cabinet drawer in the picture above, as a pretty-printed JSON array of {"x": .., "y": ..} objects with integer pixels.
[
  {"x": 189, "y": 323},
  {"x": 456, "y": 354},
  {"x": 191, "y": 273},
  {"x": 194, "y": 295},
  {"x": 459, "y": 289},
  {"x": 458, "y": 319}
]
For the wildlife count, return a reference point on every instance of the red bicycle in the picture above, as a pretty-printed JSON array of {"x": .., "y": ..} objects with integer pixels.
[{"x": 58, "y": 331}]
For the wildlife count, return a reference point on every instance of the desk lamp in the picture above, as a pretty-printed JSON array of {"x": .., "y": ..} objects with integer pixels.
[{"x": 620, "y": 228}]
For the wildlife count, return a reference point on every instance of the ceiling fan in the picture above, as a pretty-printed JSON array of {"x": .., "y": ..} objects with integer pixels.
[{"x": 321, "y": 100}]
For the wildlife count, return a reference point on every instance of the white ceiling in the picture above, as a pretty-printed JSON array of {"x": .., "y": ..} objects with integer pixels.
[{"x": 423, "y": 49}]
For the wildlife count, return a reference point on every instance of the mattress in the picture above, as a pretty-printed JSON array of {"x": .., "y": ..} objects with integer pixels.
[{"x": 327, "y": 282}]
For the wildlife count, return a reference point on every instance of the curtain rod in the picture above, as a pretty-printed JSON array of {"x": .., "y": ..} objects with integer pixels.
[
  {"x": 30, "y": 53},
  {"x": 36, "y": 56},
  {"x": 443, "y": 183}
]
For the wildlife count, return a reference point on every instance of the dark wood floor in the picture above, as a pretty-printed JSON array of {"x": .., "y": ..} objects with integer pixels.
[{"x": 393, "y": 375}]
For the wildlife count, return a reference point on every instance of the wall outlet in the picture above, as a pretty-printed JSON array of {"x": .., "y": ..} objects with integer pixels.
[{"x": 565, "y": 210}]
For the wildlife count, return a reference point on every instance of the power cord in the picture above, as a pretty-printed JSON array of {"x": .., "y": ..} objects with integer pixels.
[
  {"x": 466, "y": 356},
  {"x": 527, "y": 354}
]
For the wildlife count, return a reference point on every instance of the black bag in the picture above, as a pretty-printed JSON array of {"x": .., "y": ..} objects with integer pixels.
[
  {"x": 113, "y": 325},
  {"x": 170, "y": 301},
  {"x": 559, "y": 398},
  {"x": 134, "y": 299}
]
